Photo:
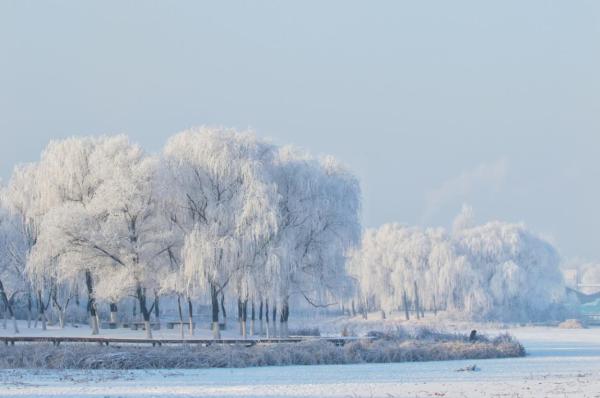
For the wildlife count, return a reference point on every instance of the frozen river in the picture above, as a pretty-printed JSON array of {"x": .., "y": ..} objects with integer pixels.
[{"x": 561, "y": 363}]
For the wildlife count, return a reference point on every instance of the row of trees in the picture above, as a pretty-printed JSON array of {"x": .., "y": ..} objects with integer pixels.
[
  {"x": 217, "y": 211},
  {"x": 224, "y": 214},
  {"x": 495, "y": 271}
]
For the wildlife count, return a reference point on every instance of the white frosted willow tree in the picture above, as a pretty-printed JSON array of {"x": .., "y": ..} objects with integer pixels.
[
  {"x": 496, "y": 271},
  {"x": 517, "y": 273},
  {"x": 103, "y": 220},
  {"x": 218, "y": 212},
  {"x": 13, "y": 247},
  {"x": 65, "y": 184},
  {"x": 222, "y": 198},
  {"x": 318, "y": 221},
  {"x": 402, "y": 267},
  {"x": 22, "y": 199}
]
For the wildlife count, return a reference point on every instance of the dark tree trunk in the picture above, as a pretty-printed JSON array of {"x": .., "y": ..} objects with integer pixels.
[
  {"x": 283, "y": 318},
  {"x": 417, "y": 303},
  {"x": 223, "y": 308},
  {"x": 62, "y": 310},
  {"x": 42, "y": 310},
  {"x": 9, "y": 307},
  {"x": 214, "y": 296},
  {"x": 244, "y": 317},
  {"x": 141, "y": 295},
  {"x": 156, "y": 308},
  {"x": 91, "y": 305},
  {"x": 179, "y": 310},
  {"x": 260, "y": 318},
  {"x": 191, "y": 315},
  {"x": 239, "y": 314},
  {"x": 267, "y": 317},
  {"x": 29, "y": 308},
  {"x": 405, "y": 303},
  {"x": 252, "y": 318},
  {"x": 274, "y": 319}
]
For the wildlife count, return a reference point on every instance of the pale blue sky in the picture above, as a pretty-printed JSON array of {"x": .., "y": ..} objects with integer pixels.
[{"x": 431, "y": 103}]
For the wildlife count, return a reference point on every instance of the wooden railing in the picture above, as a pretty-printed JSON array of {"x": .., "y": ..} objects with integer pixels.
[{"x": 203, "y": 342}]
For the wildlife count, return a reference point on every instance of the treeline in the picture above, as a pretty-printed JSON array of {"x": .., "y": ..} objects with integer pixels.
[
  {"x": 217, "y": 213},
  {"x": 496, "y": 271}
]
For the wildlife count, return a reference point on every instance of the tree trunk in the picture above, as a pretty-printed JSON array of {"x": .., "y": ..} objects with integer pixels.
[
  {"x": 37, "y": 313},
  {"x": 141, "y": 295},
  {"x": 353, "y": 308},
  {"x": 405, "y": 303},
  {"x": 191, "y": 315},
  {"x": 156, "y": 309},
  {"x": 417, "y": 304},
  {"x": 114, "y": 318},
  {"x": 4, "y": 316},
  {"x": 284, "y": 316},
  {"x": 91, "y": 302},
  {"x": 62, "y": 309},
  {"x": 61, "y": 318},
  {"x": 274, "y": 323},
  {"x": 267, "y": 317},
  {"x": 434, "y": 306},
  {"x": 215, "y": 312},
  {"x": 260, "y": 318},
  {"x": 252, "y": 318},
  {"x": 15, "y": 327},
  {"x": 29, "y": 309},
  {"x": 223, "y": 310},
  {"x": 9, "y": 308},
  {"x": 42, "y": 310},
  {"x": 239, "y": 315},
  {"x": 180, "y": 316},
  {"x": 244, "y": 317},
  {"x": 382, "y": 314}
]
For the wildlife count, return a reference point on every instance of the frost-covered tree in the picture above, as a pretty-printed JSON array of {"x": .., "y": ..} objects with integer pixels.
[
  {"x": 13, "y": 249},
  {"x": 318, "y": 216},
  {"x": 66, "y": 179},
  {"x": 216, "y": 210},
  {"x": 103, "y": 220},
  {"x": 397, "y": 266},
  {"x": 497, "y": 271},
  {"x": 25, "y": 213},
  {"x": 518, "y": 271},
  {"x": 224, "y": 201}
]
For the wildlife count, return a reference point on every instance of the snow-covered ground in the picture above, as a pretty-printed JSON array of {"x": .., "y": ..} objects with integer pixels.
[{"x": 561, "y": 363}]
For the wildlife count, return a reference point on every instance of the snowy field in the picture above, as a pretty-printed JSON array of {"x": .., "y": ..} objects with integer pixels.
[{"x": 561, "y": 363}]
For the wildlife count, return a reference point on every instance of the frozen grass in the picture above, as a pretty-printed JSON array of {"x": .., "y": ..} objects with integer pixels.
[{"x": 400, "y": 346}]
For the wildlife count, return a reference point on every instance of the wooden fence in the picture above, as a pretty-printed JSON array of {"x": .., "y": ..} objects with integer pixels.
[{"x": 340, "y": 341}]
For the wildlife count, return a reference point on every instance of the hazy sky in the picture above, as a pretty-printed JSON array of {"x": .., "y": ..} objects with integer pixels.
[{"x": 432, "y": 104}]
